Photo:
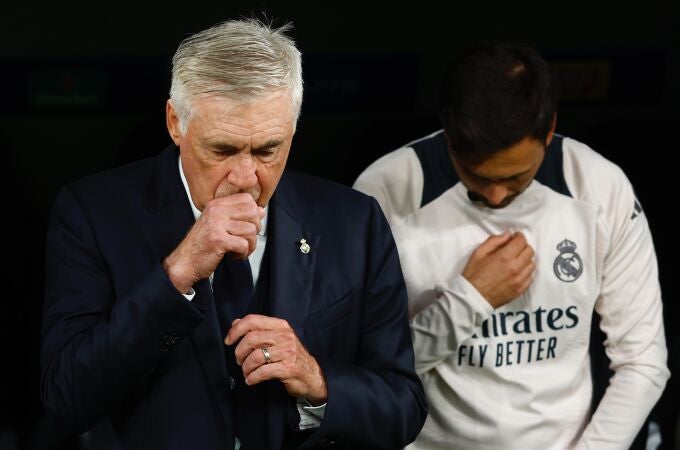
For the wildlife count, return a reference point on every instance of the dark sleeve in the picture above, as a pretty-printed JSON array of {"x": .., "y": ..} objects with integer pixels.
[
  {"x": 99, "y": 344},
  {"x": 378, "y": 401}
]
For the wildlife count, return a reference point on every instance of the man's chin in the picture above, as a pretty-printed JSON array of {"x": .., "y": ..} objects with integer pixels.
[
  {"x": 476, "y": 198},
  {"x": 499, "y": 206}
]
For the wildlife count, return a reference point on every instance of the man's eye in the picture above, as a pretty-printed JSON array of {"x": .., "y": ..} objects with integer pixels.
[
  {"x": 268, "y": 153},
  {"x": 483, "y": 180},
  {"x": 224, "y": 151}
]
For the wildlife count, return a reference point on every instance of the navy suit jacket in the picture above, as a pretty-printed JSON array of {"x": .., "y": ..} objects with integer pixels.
[{"x": 121, "y": 346}]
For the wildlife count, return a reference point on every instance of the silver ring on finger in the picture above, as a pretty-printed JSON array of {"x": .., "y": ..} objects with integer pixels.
[{"x": 267, "y": 356}]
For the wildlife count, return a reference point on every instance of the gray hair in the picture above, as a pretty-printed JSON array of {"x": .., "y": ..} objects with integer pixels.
[{"x": 241, "y": 60}]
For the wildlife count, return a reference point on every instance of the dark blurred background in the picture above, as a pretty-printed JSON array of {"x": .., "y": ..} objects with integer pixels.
[{"x": 83, "y": 88}]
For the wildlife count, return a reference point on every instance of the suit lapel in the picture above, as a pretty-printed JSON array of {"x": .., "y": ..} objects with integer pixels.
[
  {"x": 168, "y": 200},
  {"x": 292, "y": 269},
  {"x": 291, "y": 278}
]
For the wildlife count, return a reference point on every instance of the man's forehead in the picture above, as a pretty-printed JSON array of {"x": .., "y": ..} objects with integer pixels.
[
  {"x": 506, "y": 163},
  {"x": 256, "y": 119},
  {"x": 269, "y": 99},
  {"x": 497, "y": 171}
]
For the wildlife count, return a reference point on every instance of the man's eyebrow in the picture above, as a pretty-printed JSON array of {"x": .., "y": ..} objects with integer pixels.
[
  {"x": 224, "y": 147},
  {"x": 268, "y": 145},
  {"x": 230, "y": 148}
]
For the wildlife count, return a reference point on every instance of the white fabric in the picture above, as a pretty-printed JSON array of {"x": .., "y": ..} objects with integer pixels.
[
  {"x": 522, "y": 380},
  {"x": 310, "y": 416}
]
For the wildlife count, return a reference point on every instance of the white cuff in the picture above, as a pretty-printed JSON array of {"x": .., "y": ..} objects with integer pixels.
[
  {"x": 310, "y": 416},
  {"x": 190, "y": 295},
  {"x": 472, "y": 293}
]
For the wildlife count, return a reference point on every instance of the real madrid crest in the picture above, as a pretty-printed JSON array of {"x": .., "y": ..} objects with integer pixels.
[
  {"x": 304, "y": 246},
  {"x": 568, "y": 265}
]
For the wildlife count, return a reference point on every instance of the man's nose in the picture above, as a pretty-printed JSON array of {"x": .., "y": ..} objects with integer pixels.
[
  {"x": 495, "y": 194},
  {"x": 242, "y": 173}
]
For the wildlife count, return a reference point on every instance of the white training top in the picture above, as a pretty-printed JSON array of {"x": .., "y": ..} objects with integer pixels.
[{"x": 519, "y": 377}]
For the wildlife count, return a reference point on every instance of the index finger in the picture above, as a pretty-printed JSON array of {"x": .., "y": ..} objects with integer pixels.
[
  {"x": 253, "y": 322},
  {"x": 492, "y": 243},
  {"x": 242, "y": 206},
  {"x": 515, "y": 245}
]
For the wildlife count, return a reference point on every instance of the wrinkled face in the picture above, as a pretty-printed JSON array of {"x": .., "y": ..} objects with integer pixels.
[
  {"x": 499, "y": 178},
  {"x": 234, "y": 147}
]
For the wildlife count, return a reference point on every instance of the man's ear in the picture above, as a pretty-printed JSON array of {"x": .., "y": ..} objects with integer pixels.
[
  {"x": 172, "y": 122},
  {"x": 552, "y": 130}
]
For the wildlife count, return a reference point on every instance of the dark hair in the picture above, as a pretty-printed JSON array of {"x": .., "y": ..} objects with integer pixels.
[{"x": 495, "y": 95}]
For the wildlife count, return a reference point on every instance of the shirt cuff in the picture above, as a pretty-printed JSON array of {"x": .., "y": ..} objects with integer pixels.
[
  {"x": 190, "y": 295},
  {"x": 310, "y": 416},
  {"x": 473, "y": 294}
]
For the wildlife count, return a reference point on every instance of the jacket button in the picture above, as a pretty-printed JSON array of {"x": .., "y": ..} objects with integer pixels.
[
  {"x": 168, "y": 341},
  {"x": 232, "y": 383}
]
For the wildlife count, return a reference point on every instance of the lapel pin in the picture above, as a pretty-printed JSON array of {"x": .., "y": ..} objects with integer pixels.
[{"x": 304, "y": 246}]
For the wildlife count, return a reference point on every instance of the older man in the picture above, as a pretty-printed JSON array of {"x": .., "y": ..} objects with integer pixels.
[{"x": 205, "y": 299}]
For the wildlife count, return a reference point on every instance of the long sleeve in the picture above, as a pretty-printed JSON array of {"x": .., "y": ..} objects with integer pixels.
[
  {"x": 99, "y": 345},
  {"x": 439, "y": 327},
  {"x": 631, "y": 316}
]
